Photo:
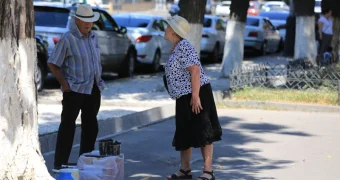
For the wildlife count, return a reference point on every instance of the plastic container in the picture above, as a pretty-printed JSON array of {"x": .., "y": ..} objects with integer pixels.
[{"x": 67, "y": 174}]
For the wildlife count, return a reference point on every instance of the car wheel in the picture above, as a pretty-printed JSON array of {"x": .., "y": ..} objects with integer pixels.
[
  {"x": 128, "y": 66},
  {"x": 156, "y": 61},
  {"x": 39, "y": 77},
  {"x": 215, "y": 53}
]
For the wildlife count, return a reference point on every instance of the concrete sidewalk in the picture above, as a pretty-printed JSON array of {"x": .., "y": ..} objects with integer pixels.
[
  {"x": 256, "y": 144},
  {"x": 130, "y": 95},
  {"x": 126, "y": 100},
  {"x": 124, "y": 103}
]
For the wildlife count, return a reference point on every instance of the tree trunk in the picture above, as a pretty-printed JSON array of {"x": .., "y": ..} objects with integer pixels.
[
  {"x": 305, "y": 44},
  {"x": 290, "y": 32},
  {"x": 234, "y": 47},
  {"x": 336, "y": 38},
  {"x": 194, "y": 11},
  {"x": 20, "y": 156}
]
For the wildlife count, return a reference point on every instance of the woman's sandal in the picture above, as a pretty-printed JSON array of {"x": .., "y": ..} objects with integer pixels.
[
  {"x": 207, "y": 172},
  {"x": 184, "y": 176}
]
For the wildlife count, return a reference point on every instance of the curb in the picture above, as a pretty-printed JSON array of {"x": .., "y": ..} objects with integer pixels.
[
  {"x": 118, "y": 125},
  {"x": 112, "y": 126},
  {"x": 278, "y": 106}
]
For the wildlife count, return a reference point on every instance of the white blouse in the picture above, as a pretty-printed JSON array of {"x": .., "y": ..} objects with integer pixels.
[
  {"x": 178, "y": 77},
  {"x": 327, "y": 27}
]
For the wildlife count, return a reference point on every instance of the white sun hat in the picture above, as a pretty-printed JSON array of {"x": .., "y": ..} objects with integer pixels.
[
  {"x": 179, "y": 25},
  {"x": 86, "y": 14}
]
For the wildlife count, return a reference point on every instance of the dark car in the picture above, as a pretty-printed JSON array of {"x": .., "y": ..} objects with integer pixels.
[
  {"x": 42, "y": 56},
  {"x": 118, "y": 54}
]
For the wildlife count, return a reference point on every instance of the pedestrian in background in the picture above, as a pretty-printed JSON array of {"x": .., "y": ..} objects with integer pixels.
[
  {"x": 325, "y": 30},
  {"x": 197, "y": 124},
  {"x": 75, "y": 62}
]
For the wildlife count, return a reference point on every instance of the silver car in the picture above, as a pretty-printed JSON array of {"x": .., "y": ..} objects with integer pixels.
[
  {"x": 118, "y": 54},
  {"x": 213, "y": 38},
  {"x": 261, "y": 35},
  {"x": 278, "y": 19},
  {"x": 147, "y": 33}
]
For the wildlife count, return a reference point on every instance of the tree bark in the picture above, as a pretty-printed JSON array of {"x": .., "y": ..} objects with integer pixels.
[
  {"x": 193, "y": 11},
  {"x": 20, "y": 156},
  {"x": 336, "y": 38},
  {"x": 290, "y": 32},
  {"x": 234, "y": 47},
  {"x": 305, "y": 44},
  {"x": 334, "y": 6}
]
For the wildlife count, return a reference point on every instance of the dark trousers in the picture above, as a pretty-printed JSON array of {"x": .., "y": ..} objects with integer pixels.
[
  {"x": 324, "y": 43},
  {"x": 72, "y": 103}
]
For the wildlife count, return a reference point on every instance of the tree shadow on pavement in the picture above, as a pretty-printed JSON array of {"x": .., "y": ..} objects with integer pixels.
[{"x": 232, "y": 160}]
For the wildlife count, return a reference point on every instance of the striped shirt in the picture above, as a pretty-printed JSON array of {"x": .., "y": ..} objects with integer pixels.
[{"x": 78, "y": 57}]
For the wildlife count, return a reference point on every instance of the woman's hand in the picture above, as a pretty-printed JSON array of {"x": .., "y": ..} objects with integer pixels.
[{"x": 196, "y": 104}]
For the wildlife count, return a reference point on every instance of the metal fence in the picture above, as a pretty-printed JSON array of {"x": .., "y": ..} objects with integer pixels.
[{"x": 293, "y": 75}]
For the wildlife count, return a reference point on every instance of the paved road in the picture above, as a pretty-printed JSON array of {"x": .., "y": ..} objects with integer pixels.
[{"x": 256, "y": 145}]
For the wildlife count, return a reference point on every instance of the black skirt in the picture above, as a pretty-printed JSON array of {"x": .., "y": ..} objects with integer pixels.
[{"x": 196, "y": 130}]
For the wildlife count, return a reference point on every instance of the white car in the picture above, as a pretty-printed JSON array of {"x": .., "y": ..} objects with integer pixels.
[
  {"x": 261, "y": 35},
  {"x": 317, "y": 7},
  {"x": 213, "y": 38},
  {"x": 278, "y": 19},
  {"x": 274, "y": 5},
  {"x": 223, "y": 9},
  {"x": 147, "y": 34}
]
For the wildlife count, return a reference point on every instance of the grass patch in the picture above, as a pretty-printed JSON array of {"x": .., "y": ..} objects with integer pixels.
[{"x": 285, "y": 95}]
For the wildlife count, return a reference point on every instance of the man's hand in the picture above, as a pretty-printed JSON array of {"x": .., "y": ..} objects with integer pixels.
[
  {"x": 65, "y": 86},
  {"x": 196, "y": 104},
  {"x": 60, "y": 78}
]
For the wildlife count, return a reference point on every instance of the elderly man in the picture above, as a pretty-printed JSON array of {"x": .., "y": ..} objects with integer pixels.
[{"x": 75, "y": 62}]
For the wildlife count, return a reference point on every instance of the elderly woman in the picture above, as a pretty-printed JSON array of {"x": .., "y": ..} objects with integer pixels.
[
  {"x": 325, "y": 26},
  {"x": 197, "y": 123}
]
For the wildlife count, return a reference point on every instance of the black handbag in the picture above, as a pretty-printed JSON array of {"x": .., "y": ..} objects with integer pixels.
[{"x": 165, "y": 83}]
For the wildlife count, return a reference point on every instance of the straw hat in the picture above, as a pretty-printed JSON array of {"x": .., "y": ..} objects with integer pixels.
[
  {"x": 179, "y": 25},
  {"x": 86, "y": 14}
]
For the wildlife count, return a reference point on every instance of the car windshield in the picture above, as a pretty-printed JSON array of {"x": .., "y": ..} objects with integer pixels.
[
  {"x": 273, "y": 5},
  {"x": 275, "y": 16},
  {"x": 318, "y": 3},
  {"x": 51, "y": 17},
  {"x": 207, "y": 22},
  {"x": 252, "y": 22},
  {"x": 132, "y": 22}
]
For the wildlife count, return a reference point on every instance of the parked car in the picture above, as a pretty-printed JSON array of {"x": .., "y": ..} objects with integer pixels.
[
  {"x": 317, "y": 7},
  {"x": 213, "y": 37},
  {"x": 174, "y": 8},
  {"x": 209, "y": 7},
  {"x": 278, "y": 19},
  {"x": 147, "y": 33},
  {"x": 223, "y": 9},
  {"x": 42, "y": 69},
  {"x": 254, "y": 8},
  {"x": 261, "y": 35},
  {"x": 66, "y": 2},
  {"x": 274, "y": 5},
  {"x": 118, "y": 54}
]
